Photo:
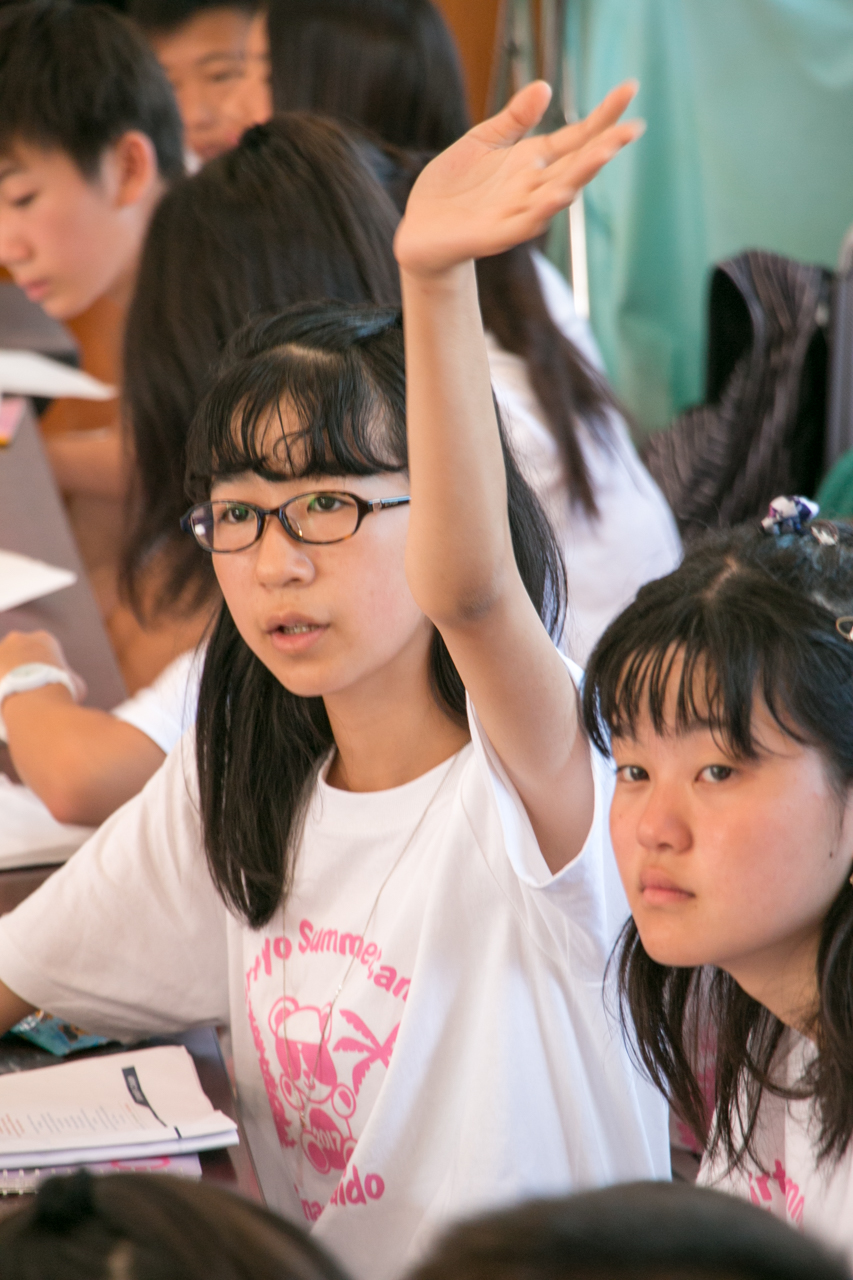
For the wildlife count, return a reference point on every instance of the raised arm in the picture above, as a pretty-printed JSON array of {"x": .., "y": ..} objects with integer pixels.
[{"x": 491, "y": 190}]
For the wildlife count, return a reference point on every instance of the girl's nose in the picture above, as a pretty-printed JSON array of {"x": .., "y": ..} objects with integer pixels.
[
  {"x": 663, "y": 824},
  {"x": 280, "y": 559}
]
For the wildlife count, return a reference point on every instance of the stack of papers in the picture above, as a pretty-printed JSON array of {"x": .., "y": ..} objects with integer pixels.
[
  {"x": 122, "y": 1106},
  {"x": 29, "y": 835},
  {"x": 19, "y": 1182},
  {"x": 23, "y": 579}
]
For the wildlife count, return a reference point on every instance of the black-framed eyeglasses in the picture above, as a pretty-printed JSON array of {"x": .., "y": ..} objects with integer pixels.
[{"x": 224, "y": 526}]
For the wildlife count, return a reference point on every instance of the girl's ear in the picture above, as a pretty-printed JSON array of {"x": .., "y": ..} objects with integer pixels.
[{"x": 130, "y": 170}]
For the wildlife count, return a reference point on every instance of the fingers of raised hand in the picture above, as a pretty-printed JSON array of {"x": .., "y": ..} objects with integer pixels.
[
  {"x": 521, "y": 114},
  {"x": 574, "y": 136}
]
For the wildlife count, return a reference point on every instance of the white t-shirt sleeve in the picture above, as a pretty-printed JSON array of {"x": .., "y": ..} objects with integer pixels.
[
  {"x": 588, "y": 890},
  {"x": 167, "y": 708},
  {"x": 129, "y": 936}
]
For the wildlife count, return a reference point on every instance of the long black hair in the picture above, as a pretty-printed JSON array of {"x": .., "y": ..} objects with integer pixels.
[
  {"x": 390, "y": 67},
  {"x": 292, "y": 214},
  {"x": 341, "y": 370},
  {"x": 747, "y": 614}
]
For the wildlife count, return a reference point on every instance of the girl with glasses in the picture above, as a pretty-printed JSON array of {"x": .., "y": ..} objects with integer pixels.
[{"x": 382, "y": 858}]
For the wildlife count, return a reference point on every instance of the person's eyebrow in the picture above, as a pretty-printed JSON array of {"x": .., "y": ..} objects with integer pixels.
[
  {"x": 219, "y": 56},
  {"x": 8, "y": 168}
]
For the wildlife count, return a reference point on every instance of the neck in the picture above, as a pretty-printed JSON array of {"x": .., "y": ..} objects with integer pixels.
[
  {"x": 784, "y": 979},
  {"x": 390, "y": 730}
]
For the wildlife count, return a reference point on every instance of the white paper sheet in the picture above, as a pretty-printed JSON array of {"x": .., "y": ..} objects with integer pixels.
[
  {"x": 120, "y": 1106},
  {"x": 23, "y": 579},
  {"x": 29, "y": 835},
  {"x": 24, "y": 373}
]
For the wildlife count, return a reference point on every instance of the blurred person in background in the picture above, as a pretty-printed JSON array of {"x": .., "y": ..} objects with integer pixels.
[
  {"x": 636, "y": 1231},
  {"x": 90, "y": 139},
  {"x": 147, "y": 1226},
  {"x": 201, "y": 46}
]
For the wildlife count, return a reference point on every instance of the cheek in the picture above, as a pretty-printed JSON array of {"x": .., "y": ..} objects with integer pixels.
[
  {"x": 236, "y": 588},
  {"x": 379, "y": 604}
]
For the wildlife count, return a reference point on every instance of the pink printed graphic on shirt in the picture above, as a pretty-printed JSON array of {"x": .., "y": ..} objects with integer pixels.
[
  {"x": 778, "y": 1193},
  {"x": 323, "y": 1064}
]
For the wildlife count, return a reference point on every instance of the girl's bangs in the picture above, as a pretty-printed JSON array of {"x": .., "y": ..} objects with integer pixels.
[
  {"x": 292, "y": 412},
  {"x": 681, "y": 687},
  {"x": 690, "y": 660}
]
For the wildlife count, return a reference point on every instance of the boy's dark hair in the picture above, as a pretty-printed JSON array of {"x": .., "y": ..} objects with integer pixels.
[
  {"x": 140, "y": 1225},
  {"x": 288, "y": 215},
  {"x": 165, "y": 16},
  {"x": 637, "y": 1231},
  {"x": 75, "y": 77},
  {"x": 342, "y": 370},
  {"x": 747, "y": 614}
]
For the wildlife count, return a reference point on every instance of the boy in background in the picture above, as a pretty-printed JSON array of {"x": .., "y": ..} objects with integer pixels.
[
  {"x": 90, "y": 137},
  {"x": 200, "y": 45}
]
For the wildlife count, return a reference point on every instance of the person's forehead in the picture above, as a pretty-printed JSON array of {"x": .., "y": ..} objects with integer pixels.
[
  {"x": 23, "y": 158},
  {"x": 206, "y": 37}
]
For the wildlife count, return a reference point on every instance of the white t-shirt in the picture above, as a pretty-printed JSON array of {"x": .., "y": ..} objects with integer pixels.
[
  {"x": 165, "y": 709},
  {"x": 789, "y": 1183},
  {"x": 634, "y": 539},
  {"x": 467, "y": 1060}
]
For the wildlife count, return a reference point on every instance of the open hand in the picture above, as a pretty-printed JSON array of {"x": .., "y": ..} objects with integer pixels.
[{"x": 496, "y": 188}]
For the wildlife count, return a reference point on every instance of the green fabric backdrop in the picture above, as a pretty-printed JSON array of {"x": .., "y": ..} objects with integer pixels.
[{"x": 749, "y": 105}]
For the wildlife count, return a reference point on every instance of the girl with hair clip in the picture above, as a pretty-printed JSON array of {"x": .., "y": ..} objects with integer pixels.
[
  {"x": 725, "y": 693},
  {"x": 289, "y": 215},
  {"x": 390, "y": 68},
  {"x": 401, "y": 905}
]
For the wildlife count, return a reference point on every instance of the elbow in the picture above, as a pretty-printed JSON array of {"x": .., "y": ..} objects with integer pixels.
[
  {"x": 70, "y": 799},
  {"x": 458, "y": 601}
]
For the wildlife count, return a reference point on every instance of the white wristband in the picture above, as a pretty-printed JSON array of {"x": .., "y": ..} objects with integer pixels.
[{"x": 29, "y": 676}]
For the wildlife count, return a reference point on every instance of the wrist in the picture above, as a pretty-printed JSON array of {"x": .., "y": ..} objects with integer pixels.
[{"x": 29, "y": 677}]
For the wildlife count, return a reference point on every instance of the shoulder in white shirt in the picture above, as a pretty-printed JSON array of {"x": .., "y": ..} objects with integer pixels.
[{"x": 788, "y": 1181}]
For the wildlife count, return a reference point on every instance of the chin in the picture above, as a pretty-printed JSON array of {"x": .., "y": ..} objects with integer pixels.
[{"x": 672, "y": 951}]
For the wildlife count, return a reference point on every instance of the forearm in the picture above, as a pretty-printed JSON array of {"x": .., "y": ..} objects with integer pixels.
[
  {"x": 12, "y": 1008},
  {"x": 89, "y": 462},
  {"x": 459, "y": 554},
  {"x": 82, "y": 763}
]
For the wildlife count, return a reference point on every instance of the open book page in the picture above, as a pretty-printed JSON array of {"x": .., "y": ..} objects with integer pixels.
[
  {"x": 116, "y": 1106},
  {"x": 26, "y": 373},
  {"x": 23, "y": 579}
]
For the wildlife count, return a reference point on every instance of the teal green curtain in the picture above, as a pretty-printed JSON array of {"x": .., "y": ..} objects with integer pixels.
[{"x": 749, "y": 105}]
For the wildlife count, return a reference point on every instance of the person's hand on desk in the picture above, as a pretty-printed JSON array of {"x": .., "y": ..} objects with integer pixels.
[
  {"x": 82, "y": 763},
  {"x": 21, "y": 648}
]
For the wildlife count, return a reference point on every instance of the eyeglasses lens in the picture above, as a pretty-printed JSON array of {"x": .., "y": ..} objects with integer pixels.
[
  {"x": 313, "y": 517},
  {"x": 323, "y": 517}
]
